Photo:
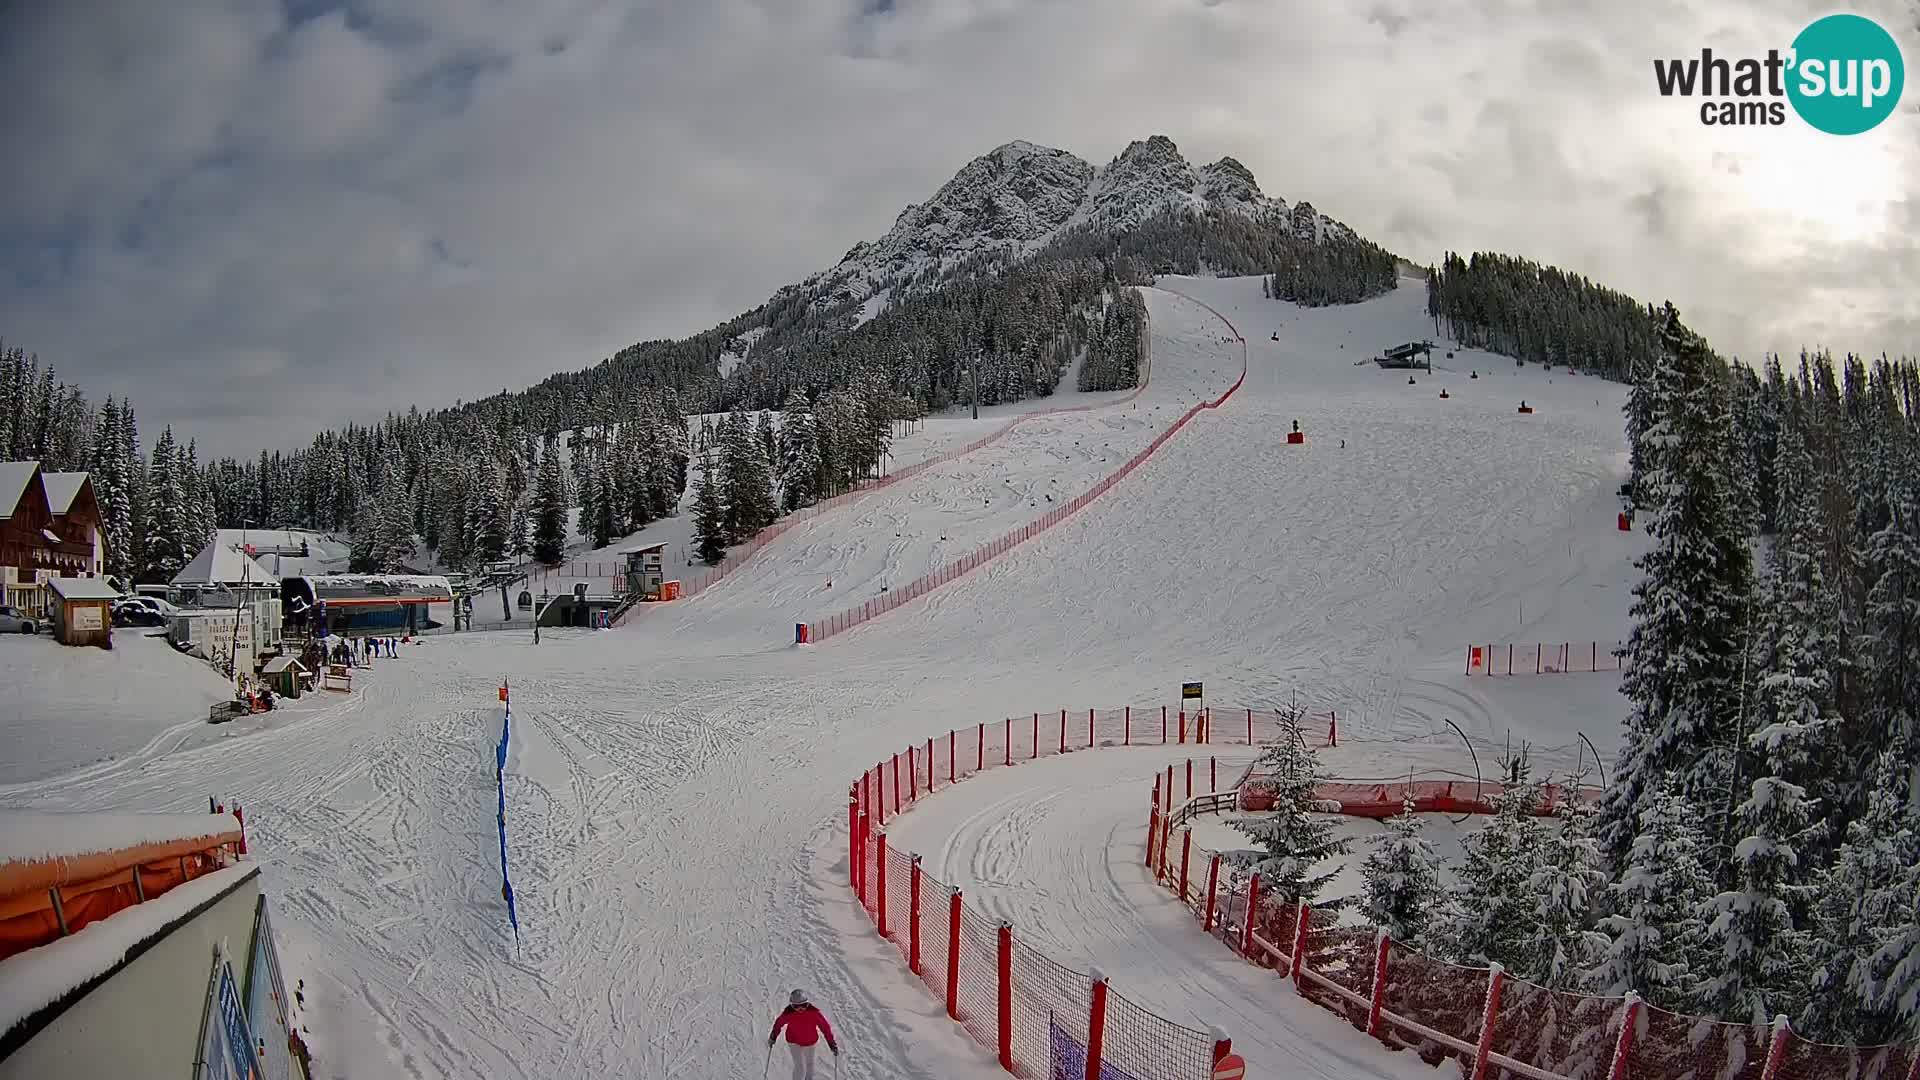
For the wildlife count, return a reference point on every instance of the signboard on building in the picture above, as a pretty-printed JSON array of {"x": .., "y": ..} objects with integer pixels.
[{"x": 87, "y": 618}]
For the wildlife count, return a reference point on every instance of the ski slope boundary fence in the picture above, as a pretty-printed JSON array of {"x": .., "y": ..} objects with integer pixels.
[
  {"x": 840, "y": 623},
  {"x": 740, "y": 555},
  {"x": 1545, "y": 658},
  {"x": 1041, "y": 1018},
  {"x": 1492, "y": 1024}
]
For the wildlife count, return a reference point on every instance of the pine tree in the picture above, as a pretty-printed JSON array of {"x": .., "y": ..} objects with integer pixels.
[
  {"x": 1402, "y": 874},
  {"x": 1758, "y": 953},
  {"x": 392, "y": 543},
  {"x": 1296, "y": 835},
  {"x": 1566, "y": 883},
  {"x": 1656, "y": 933},
  {"x": 709, "y": 515},
  {"x": 1692, "y": 608},
  {"x": 799, "y": 454},
  {"x": 747, "y": 479},
  {"x": 1490, "y": 908},
  {"x": 549, "y": 507},
  {"x": 165, "y": 549},
  {"x": 1854, "y": 907}
]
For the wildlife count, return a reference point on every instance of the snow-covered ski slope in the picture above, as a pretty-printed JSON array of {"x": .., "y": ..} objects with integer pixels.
[{"x": 677, "y": 811}]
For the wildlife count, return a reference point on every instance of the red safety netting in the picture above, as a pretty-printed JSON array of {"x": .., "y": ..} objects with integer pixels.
[
  {"x": 821, "y": 629},
  {"x": 1803, "y": 1060},
  {"x": 1670, "y": 1045},
  {"x": 1446, "y": 998},
  {"x": 1143, "y": 1044},
  {"x": 934, "y": 937},
  {"x": 1342, "y": 956},
  {"x": 1043, "y": 989},
  {"x": 1569, "y": 1035},
  {"x": 979, "y": 977}
]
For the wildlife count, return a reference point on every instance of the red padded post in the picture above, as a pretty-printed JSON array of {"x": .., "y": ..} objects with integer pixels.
[
  {"x": 913, "y": 776},
  {"x": 913, "y": 916},
  {"x": 1183, "y": 727},
  {"x": 880, "y": 878},
  {"x": 1623, "y": 1046},
  {"x": 854, "y": 862},
  {"x": 1302, "y": 926},
  {"x": 953, "y": 955},
  {"x": 1251, "y": 916},
  {"x": 930, "y": 766},
  {"x": 1776, "y": 1049},
  {"x": 1492, "y": 1009},
  {"x": 1186, "y": 856},
  {"x": 1379, "y": 996},
  {"x": 897, "y": 804},
  {"x": 1097, "y": 1026},
  {"x": 1213, "y": 892},
  {"x": 1006, "y": 996}
]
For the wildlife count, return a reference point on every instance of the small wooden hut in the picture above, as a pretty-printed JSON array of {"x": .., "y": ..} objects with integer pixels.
[{"x": 82, "y": 611}]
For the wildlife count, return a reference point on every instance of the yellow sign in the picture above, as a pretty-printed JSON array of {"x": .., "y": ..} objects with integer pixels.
[{"x": 1189, "y": 690}]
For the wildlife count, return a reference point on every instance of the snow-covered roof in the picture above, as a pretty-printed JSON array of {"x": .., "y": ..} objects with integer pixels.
[
  {"x": 81, "y": 588},
  {"x": 34, "y": 979},
  {"x": 62, "y": 488},
  {"x": 14, "y": 478},
  {"x": 281, "y": 663},
  {"x": 221, "y": 563}
]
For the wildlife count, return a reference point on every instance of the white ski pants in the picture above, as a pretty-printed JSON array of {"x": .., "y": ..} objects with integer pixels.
[{"x": 802, "y": 1060}]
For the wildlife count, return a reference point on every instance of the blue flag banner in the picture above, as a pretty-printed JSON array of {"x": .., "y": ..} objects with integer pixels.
[
  {"x": 1067, "y": 1059},
  {"x": 500, "y": 777}
]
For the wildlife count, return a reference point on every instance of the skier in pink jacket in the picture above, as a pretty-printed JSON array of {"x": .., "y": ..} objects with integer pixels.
[{"x": 804, "y": 1025}]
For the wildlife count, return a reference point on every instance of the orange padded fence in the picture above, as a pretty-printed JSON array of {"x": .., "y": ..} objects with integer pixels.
[
  {"x": 1495, "y": 1026},
  {"x": 820, "y": 629},
  {"x": 43, "y": 900}
]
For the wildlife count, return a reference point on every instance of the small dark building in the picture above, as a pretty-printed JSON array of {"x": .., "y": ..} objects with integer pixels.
[{"x": 82, "y": 611}]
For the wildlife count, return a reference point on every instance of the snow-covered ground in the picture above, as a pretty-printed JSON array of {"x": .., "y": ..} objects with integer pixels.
[{"x": 677, "y": 809}]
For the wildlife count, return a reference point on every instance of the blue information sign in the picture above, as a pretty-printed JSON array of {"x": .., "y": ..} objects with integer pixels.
[{"x": 233, "y": 1019}]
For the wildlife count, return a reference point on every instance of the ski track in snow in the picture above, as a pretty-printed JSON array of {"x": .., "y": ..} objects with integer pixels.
[{"x": 676, "y": 798}]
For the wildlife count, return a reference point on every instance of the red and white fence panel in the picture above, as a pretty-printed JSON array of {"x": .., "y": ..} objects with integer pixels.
[{"x": 1545, "y": 658}]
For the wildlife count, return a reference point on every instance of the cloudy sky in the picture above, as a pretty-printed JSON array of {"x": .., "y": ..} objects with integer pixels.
[{"x": 262, "y": 218}]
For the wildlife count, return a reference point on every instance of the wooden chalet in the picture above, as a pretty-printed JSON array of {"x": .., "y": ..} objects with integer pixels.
[{"x": 51, "y": 528}]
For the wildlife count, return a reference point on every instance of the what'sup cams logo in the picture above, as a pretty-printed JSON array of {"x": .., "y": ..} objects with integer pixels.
[{"x": 1842, "y": 75}]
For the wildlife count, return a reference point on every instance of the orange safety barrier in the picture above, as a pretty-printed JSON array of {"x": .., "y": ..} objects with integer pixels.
[
  {"x": 1493, "y": 1024},
  {"x": 42, "y": 900},
  {"x": 1545, "y": 658}
]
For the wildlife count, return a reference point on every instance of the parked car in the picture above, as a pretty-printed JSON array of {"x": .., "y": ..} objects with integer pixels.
[
  {"x": 152, "y": 603},
  {"x": 127, "y": 613},
  {"x": 13, "y": 621}
]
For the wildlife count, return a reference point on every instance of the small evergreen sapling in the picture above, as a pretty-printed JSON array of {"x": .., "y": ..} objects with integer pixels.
[
  {"x": 1296, "y": 836},
  {"x": 1656, "y": 932},
  {"x": 1402, "y": 878}
]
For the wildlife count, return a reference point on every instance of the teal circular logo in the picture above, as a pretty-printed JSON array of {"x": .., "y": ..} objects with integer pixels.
[{"x": 1846, "y": 74}]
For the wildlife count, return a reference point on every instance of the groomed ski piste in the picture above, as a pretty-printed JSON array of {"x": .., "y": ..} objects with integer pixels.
[{"x": 677, "y": 796}]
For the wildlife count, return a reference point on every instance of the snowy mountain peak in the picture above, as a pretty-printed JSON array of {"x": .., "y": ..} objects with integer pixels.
[{"x": 1015, "y": 199}]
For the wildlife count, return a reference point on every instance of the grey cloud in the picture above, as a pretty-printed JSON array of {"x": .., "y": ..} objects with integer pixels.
[{"x": 431, "y": 200}]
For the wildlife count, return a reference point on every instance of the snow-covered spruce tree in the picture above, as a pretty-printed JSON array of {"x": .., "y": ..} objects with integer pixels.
[
  {"x": 747, "y": 480},
  {"x": 1490, "y": 908},
  {"x": 1692, "y": 607},
  {"x": 597, "y": 499},
  {"x": 1295, "y": 836},
  {"x": 1566, "y": 883},
  {"x": 709, "y": 514},
  {"x": 1853, "y": 911},
  {"x": 392, "y": 525},
  {"x": 1759, "y": 957},
  {"x": 1402, "y": 891},
  {"x": 549, "y": 507},
  {"x": 165, "y": 545},
  {"x": 799, "y": 446},
  {"x": 1656, "y": 931}
]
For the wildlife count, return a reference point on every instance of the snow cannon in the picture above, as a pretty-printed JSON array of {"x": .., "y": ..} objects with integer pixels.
[
  {"x": 800, "y": 634},
  {"x": 1410, "y": 380},
  {"x": 1296, "y": 437},
  {"x": 1474, "y": 375},
  {"x": 1444, "y": 394},
  {"x": 1525, "y": 409}
]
